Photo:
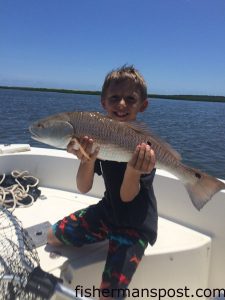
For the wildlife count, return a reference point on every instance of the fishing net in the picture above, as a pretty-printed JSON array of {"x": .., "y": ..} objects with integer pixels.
[
  {"x": 18, "y": 189},
  {"x": 21, "y": 277},
  {"x": 18, "y": 258}
]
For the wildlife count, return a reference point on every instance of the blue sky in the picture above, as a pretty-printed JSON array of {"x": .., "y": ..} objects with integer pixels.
[{"x": 178, "y": 45}]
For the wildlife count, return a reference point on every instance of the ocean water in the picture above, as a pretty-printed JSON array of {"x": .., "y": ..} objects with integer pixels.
[{"x": 195, "y": 129}]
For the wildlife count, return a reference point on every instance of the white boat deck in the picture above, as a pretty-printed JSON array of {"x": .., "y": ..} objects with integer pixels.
[
  {"x": 190, "y": 255},
  {"x": 175, "y": 245}
]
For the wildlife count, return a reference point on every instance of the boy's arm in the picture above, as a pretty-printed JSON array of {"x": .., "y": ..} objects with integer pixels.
[
  {"x": 142, "y": 162},
  {"x": 85, "y": 172},
  {"x": 85, "y": 176}
]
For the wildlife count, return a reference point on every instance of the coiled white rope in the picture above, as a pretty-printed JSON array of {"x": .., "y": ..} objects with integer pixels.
[{"x": 16, "y": 191}]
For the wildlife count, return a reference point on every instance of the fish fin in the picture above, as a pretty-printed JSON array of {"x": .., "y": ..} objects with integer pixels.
[
  {"x": 78, "y": 146},
  {"x": 202, "y": 189},
  {"x": 142, "y": 128}
]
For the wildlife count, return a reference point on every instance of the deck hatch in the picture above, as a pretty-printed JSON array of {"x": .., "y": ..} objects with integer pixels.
[{"x": 38, "y": 233}]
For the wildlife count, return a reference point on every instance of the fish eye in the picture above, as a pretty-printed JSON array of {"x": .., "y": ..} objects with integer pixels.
[{"x": 40, "y": 125}]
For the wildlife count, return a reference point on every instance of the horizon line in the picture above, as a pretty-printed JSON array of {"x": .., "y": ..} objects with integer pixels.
[{"x": 216, "y": 98}]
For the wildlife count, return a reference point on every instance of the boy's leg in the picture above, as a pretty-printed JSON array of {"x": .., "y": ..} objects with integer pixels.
[
  {"x": 52, "y": 239},
  {"x": 126, "y": 248},
  {"x": 82, "y": 227}
]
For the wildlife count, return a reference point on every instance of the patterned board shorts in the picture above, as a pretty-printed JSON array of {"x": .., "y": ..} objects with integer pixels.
[{"x": 126, "y": 245}]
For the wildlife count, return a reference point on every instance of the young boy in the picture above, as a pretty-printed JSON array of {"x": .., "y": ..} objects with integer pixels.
[{"x": 127, "y": 214}]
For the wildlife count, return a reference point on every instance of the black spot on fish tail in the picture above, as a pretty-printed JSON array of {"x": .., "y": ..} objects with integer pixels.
[
  {"x": 198, "y": 175},
  {"x": 202, "y": 188}
]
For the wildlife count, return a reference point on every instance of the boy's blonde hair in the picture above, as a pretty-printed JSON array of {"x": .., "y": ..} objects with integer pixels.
[{"x": 126, "y": 73}]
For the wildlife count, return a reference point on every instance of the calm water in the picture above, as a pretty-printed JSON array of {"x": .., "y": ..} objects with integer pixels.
[{"x": 195, "y": 129}]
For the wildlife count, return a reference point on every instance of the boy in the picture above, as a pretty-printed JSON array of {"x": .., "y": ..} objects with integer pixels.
[{"x": 127, "y": 214}]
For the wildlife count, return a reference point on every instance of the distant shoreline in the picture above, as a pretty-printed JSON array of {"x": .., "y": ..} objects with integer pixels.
[{"x": 204, "y": 98}]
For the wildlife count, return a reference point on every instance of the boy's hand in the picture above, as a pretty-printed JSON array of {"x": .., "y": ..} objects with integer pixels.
[
  {"x": 143, "y": 159},
  {"x": 141, "y": 162},
  {"x": 86, "y": 143}
]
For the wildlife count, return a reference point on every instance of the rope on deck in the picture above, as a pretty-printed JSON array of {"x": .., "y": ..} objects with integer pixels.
[{"x": 18, "y": 189}]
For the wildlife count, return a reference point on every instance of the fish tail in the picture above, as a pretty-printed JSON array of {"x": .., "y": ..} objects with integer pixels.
[{"x": 201, "y": 187}]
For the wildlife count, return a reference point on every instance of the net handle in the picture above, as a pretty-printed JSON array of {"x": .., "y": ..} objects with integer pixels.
[{"x": 58, "y": 289}]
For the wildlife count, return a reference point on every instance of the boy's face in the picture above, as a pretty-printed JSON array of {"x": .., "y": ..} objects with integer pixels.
[{"x": 123, "y": 101}]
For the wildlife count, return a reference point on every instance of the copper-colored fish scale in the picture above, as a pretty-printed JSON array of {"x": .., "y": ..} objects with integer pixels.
[{"x": 127, "y": 136}]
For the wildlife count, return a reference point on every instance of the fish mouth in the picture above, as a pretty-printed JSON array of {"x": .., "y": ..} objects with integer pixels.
[{"x": 34, "y": 135}]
